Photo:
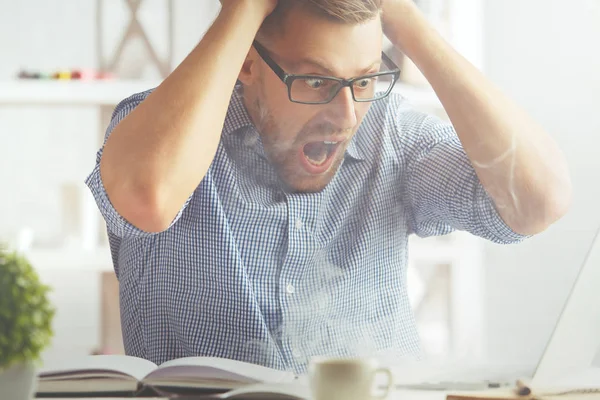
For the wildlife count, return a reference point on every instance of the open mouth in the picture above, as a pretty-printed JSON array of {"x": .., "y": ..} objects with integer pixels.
[
  {"x": 317, "y": 157},
  {"x": 318, "y": 153}
]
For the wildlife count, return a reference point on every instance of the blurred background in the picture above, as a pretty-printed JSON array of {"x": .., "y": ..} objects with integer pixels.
[{"x": 65, "y": 64}]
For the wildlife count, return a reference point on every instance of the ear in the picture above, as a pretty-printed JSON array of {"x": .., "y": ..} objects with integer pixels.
[{"x": 248, "y": 73}]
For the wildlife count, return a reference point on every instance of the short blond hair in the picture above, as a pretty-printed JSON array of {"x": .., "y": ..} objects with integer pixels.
[{"x": 342, "y": 11}]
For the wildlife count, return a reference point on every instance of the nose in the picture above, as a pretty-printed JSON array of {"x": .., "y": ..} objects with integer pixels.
[{"x": 342, "y": 111}]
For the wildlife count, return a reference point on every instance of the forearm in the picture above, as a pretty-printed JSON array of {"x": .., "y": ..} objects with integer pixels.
[
  {"x": 519, "y": 165},
  {"x": 156, "y": 157}
]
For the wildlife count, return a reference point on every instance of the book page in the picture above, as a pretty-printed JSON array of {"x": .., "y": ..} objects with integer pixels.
[
  {"x": 215, "y": 370},
  {"x": 109, "y": 366},
  {"x": 88, "y": 385}
]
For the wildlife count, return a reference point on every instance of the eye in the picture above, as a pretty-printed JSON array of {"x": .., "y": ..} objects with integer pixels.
[
  {"x": 315, "y": 83},
  {"x": 364, "y": 83}
]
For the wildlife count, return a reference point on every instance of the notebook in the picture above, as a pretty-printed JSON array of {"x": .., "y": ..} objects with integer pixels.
[
  {"x": 108, "y": 374},
  {"x": 584, "y": 390},
  {"x": 504, "y": 394}
]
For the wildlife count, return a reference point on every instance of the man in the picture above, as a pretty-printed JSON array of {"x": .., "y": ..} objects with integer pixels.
[{"x": 268, "y": 221}]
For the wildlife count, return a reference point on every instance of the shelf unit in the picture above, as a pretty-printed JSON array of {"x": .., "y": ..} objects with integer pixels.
[{"x": 69, "y": 93}]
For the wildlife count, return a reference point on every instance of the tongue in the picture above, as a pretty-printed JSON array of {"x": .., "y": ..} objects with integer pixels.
[{"x": 316, "y": 152}]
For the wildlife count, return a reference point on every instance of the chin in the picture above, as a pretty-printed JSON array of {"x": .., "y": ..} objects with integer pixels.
[
  {"x": 294, "y": 178},
  {"x": 296, "y": 183},
  {"x": 307, "y": 186}
]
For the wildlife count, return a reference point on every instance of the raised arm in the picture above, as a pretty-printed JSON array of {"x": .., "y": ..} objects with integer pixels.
[
  {"x": 516, "y": 161},
  {"x": 156, "y": 156}
]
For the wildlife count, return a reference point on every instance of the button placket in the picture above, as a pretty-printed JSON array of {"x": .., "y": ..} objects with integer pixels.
[{"x": 299, "y": 251}]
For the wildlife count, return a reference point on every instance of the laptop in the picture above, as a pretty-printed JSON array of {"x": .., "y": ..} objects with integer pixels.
[{"x": 573, "y": 345}]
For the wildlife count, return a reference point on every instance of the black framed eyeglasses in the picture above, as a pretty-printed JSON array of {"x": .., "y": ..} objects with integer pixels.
[{"x": 314, "y": 89}]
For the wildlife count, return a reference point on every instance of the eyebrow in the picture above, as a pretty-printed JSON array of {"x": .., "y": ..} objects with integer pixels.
[{"x": 316, "y": 63}]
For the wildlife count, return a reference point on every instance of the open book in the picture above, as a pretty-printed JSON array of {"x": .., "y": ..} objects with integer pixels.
[{"x": 105, "y": 374}]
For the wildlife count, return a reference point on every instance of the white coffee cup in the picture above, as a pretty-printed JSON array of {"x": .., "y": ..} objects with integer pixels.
[{"x": 347, "y": 379}]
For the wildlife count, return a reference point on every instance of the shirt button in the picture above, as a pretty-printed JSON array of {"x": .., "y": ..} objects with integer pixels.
[
  {"x": 290, "y": 288},
  {"x": 299, "y": 224},
  {"x": 296, "y": 353}
]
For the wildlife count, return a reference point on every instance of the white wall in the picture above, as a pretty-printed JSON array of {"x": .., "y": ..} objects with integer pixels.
[{"x": 545, "y": 54}]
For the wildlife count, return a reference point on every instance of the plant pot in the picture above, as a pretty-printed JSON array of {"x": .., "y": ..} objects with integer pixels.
[{"x": 18, "y": 382}]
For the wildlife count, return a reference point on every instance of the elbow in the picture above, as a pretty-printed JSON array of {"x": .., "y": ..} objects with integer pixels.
[
  {"x": 556, "y": 194},
  {"x": 558, "y": 199},
  {"x": 142, "y": 205},
  {"x": 553, "y": 204},
  {"x": 563, "y": 201},
  {"x": 555, "y": 207}
]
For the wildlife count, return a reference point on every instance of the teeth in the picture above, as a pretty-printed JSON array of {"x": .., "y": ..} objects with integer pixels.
[{"x": 327, "y": 142}]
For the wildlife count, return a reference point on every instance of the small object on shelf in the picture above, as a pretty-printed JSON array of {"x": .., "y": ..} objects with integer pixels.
[
  {"x": 90, "y": 75},
  {"x": 29, "y": 75},
  {"x": 62, "y": 75},
  {"x": 105, "y": 76},
  {"x": 67, "y": 75}
]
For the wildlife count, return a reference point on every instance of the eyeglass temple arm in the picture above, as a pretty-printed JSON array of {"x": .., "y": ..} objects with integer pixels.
[
  {"x": 272, "y": 64},
  {"x": 388, "y": 61}
]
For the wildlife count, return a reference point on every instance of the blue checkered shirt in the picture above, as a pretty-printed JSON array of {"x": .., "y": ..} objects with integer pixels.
[{"x": 247, "y": 271}]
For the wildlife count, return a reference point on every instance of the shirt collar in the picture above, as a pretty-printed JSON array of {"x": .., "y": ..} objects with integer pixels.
[
  {"x": 354, "y": 149},
  {"x": 238, "y": 118}
]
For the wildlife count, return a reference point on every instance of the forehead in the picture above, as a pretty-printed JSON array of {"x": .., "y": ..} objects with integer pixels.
[{"x": 345, "y": 48}]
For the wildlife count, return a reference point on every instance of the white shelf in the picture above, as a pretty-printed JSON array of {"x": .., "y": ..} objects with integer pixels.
[
  {"x": 110, "y": 93},
  {"x": 54, "y": 92}
]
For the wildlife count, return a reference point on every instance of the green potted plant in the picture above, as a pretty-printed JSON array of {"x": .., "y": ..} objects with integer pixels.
[{"x": 25, "y": 325}]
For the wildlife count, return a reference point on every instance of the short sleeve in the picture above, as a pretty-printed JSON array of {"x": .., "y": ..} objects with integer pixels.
[
  {"x": 116, "y": 224},
  {"x": 443, "y": 192}
]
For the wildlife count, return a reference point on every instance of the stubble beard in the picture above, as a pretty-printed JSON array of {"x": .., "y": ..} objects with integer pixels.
[{"x": 284, "y": 156}]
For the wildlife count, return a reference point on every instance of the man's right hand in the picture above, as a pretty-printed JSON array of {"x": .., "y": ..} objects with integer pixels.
[{"x": 262, "y": 7}]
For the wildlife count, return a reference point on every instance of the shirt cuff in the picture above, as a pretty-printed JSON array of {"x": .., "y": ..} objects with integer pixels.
[{"x": 496, "y": 227}]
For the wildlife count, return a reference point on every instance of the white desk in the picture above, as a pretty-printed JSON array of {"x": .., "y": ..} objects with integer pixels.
[{"x": 400, "y": 395}]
